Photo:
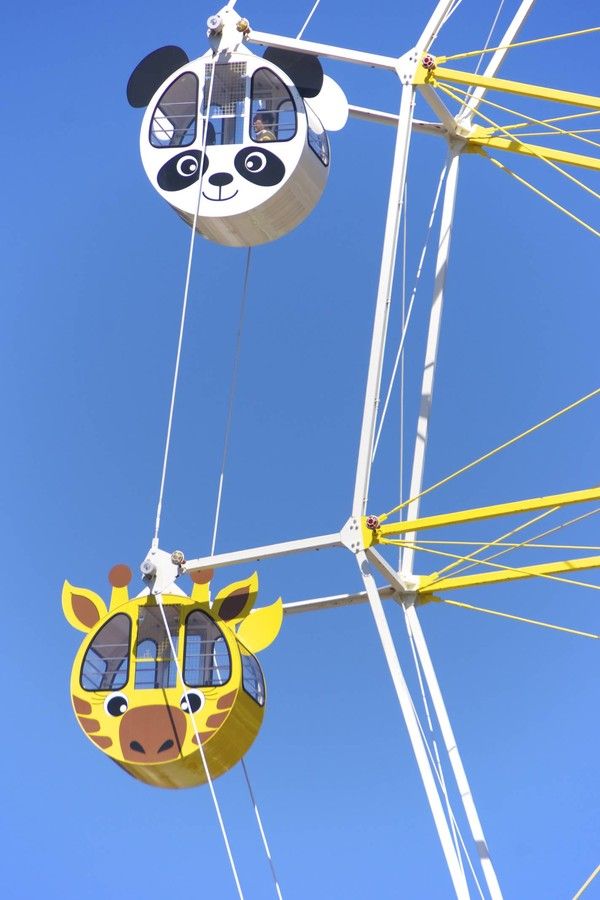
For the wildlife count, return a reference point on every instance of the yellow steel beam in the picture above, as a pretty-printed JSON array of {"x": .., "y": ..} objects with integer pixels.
[
  {"x": 430, "y": 76},
  {"x": 477, "y": 514},
  {"x": 484, "y": 137},
  {"x": 429, "y": 583}
]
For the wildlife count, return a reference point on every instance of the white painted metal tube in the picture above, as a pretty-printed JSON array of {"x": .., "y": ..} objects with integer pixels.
[
  {"x": 382, "y": 306},
  {"x": 414, "y": 627},
  {"x": 385, "y": 118},
  {"x": 299, "y": 606},
  {"x": 414, "y": 733},
  {"x": 374, "y": 60},
  {"x": 256, "y": 554},
  {"x": 435, "y": 321}
]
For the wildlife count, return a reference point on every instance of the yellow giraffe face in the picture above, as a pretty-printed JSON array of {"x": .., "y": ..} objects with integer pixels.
[{"x": 127, "y": 695}]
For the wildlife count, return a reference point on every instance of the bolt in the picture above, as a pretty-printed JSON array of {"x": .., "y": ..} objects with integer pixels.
[
  {"x": 178, "y": 558},
  {"x": 428, "y": 62},
  {"x": 214, "y": 24},
  {"x": 148, "y": 568},
  {"x": 372, "y": 523},
  {"x": 243, "y": 26}
]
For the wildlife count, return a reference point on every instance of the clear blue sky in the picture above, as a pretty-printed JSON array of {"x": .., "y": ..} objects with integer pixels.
[{"x": 93, "y": 268}]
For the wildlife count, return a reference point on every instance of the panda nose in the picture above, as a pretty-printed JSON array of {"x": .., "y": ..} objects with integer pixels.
[{"x": 220, "y": 179}]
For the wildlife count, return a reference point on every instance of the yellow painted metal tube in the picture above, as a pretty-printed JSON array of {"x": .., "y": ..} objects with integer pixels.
[
  {"x": 455, "y": 76},
  {"x": 482, "y": 138},
  {"x": 479, "y": 513},
  {"x": 433, "y": 582}
]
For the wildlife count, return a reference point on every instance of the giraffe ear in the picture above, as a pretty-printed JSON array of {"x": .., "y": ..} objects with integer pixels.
[
  {"x": 261, "y": 627},
  {"x": 236, "y": 600},
  {"x": 83, "y": 609}
]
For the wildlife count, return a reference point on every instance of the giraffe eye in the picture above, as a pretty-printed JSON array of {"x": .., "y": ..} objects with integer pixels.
[
  {"x": 116, "y": 704},
  {"x": 192, "y": 701}
]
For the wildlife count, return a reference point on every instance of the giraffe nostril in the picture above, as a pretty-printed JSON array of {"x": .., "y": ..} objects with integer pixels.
[
  {"x": 135, "y": 745},
  {"x": 165, "y": 746}
]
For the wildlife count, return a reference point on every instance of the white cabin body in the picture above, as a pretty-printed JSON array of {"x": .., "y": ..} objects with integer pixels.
[{"x": 266, "y": 157}]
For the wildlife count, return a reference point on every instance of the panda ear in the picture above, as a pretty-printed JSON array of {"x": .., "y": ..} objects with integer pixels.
[
  {"x": 303, "y": 69},
  {"x": 330, "y": 105},
  {"x": 150, "y": 73}
]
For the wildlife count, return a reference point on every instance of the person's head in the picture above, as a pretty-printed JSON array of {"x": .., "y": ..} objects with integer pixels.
[{"x": 263, "y": 119}]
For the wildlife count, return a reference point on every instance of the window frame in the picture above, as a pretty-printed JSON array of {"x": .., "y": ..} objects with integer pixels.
[
  {"x": 225, "y": 642},
  {"x": 197, "y": 116},
  {"x": 126, "y": 657}
]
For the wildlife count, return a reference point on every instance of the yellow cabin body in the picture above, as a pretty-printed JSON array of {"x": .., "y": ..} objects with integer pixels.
[{"x": 126, "y": 689}]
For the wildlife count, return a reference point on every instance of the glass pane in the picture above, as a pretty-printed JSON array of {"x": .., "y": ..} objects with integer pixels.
[
  {"x": 317, "y": 136},
  {"x": 154, "y": 663},
  {"x": 227, "y": 102},
  {"x": 106, "y": 663},
  {"x": 206, "y": 659},
  {"x": 253, "y": 681},
  {"x": 174, "y": 120},
  {"x": 273, "y": 111}
]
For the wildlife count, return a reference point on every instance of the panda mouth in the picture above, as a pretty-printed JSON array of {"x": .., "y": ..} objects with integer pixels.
[{"x": 220, "y": 198}]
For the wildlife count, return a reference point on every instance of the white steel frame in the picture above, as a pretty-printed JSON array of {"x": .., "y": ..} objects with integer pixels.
[{"x": 158, "y": 567}]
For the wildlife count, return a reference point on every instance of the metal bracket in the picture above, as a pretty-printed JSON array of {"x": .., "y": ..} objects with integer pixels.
[
  {"x": 351, "y": 535},
  {"x": 159, "y": 571},
  {"x": 407, "y": 66}
]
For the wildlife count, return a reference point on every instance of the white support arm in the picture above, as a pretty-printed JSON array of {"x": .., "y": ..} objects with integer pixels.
[
  {"x": 374, "y": 60},
  {"x": 268, "y": 551},
  {"x": 299, "y": 606}
]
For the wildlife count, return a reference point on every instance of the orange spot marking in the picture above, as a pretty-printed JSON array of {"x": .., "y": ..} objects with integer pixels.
[
  {"x": 204, "y": 736},
  {"x": 103, "y": 742},
  {"x": 202, "y": 577},
  {"x": 120, "y": 576},
  {"x": 226, "y": 701},
  {"x": 216, "y": 720},
  {"x": 89, "y": 725},
  {"x": 82, "y": 706}
]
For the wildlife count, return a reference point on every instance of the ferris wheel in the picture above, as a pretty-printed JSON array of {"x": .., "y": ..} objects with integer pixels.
[{"x": 169, "y": 685}]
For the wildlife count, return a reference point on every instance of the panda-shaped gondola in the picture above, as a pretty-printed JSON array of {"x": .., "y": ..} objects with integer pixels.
[{"x": 228, "y": 139}]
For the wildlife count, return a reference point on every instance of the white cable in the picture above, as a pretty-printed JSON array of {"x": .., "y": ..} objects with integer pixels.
[
  {"x": 174, "y": 656},
  {"x": 410, "y": 307},
  {"x": 309, "y": 17},
  {"x": 232, "y": 389},
  {"x": 261, "y": 829},
  {"x": 452, "y": 816},
  {"x": 438, "y": 764},
  {"x": 480, "y": 60},
  {"x": 183, "y": 317}
]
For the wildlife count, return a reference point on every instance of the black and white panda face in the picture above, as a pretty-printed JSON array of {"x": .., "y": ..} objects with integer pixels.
[{"x": 257, "y": 165}]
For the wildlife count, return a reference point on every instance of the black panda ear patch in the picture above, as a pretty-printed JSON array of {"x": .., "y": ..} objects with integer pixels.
[
  {"x": 303, "y": 69},
  {"x": 150, "y": 73}
]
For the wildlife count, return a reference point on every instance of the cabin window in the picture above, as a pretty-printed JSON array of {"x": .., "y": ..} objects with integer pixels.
[
  {"x": 154, "y": 663},
  {"x": 206, "y": 659},
  {"x": 106, "y": 662},
  {"x": 317, "y": 136},
  {"x": 273, "y": 114},
  {"x": 174, "y": 120},
  {"x": 227, "y": 102},
  {"x": 252, "y": 678}
]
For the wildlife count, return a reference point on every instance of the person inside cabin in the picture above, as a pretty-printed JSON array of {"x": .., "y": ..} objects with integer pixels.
[{"x": 262, "y": 126}]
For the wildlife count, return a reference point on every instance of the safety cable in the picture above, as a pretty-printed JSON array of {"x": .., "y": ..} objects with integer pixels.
[
  {"x": 308, "y": 18},
  {"x": 183, "y": 314},
  {"x": 261, "y": 829},
  {"x": 400, "y": 352},
  {"x": 558, "y": 206},
  {"x": 486, "y": 45},
  {"x": 175, "y": 658},
  {"x": 531, "y": 148},
  {"x": 542, "y": 40},
  {"x": 438, "y": 762},
  {"x": 231, "y": 399},
  {"x": 521, "y": 570},
  {"x": 493, "y": 452},
  {"x": 579, "y": 115},
  {"x": 526, "y": 543},
  {"x": 574, "y": 134},
  {"x": 586, "y": 883},
  {"x": 495, "y": 612},
  {"x": 451, "y": 813}
]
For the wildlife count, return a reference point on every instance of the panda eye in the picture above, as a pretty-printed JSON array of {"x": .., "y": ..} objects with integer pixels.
[
  {"x": 116, "y": 705},
  {"x": 192, "y": 701},
  {"x": 255, "y": 162},
  {"x": 187, "y": 165}
]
